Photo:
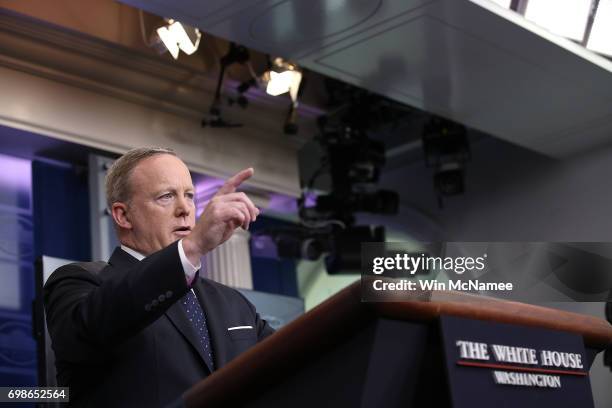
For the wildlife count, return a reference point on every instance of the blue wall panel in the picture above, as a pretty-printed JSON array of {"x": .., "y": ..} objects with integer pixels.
[{"x": 61, "y": 211}]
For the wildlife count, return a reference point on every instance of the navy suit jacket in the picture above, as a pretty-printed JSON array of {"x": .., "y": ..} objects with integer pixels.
[{"x": 121, "y": 338}]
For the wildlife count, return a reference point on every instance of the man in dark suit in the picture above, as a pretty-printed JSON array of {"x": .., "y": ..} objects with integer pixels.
[{"x": 144, "y": 327}]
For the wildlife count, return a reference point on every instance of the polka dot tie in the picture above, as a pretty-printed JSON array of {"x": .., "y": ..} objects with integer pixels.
[{"x": 195, "y": 314}]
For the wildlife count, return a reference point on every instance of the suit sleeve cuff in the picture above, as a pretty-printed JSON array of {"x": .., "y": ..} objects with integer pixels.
[{"x": 189, "y": 269}]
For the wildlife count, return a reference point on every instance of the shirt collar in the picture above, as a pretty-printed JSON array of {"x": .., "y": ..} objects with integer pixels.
[{"x": 134, "y": 253}]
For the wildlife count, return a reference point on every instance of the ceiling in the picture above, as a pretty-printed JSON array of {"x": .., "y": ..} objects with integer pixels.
[{"x": 468, "y": 60}]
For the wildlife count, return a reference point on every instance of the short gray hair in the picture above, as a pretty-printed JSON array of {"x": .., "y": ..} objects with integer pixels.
[{"x": 118, "y": 187}]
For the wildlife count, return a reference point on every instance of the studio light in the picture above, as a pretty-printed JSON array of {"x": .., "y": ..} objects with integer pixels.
[
  {"x": 282, "y": 78},
  {"x": 179, "y": 37},
  {"x": 279, "y": 83}
]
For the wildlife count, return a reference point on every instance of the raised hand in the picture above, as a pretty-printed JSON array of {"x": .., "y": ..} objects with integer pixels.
[{"x": 225, "y": 212}]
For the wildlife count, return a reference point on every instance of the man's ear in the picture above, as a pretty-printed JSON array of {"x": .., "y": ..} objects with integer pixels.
[{"x": 119, "y": 212}]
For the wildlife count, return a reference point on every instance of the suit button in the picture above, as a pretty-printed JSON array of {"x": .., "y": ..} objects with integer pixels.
[
  {"x": 148, "y": 307},
  {"x": 154, "y": 303},
  {"x": 161, "y": 298},
  {"x": 168, "y": 294}
]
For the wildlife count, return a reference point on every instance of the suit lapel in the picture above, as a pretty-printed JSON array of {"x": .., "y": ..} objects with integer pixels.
[
  {"x": 122, "y": 260},
  {"x": 216, "y": 326},
  {"x": 179, "y": 319}
]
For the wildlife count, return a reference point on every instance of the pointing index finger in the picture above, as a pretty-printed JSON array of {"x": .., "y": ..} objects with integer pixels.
[{"x": 235, "y": 181}]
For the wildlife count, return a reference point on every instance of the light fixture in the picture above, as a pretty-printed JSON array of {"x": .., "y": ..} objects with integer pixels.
[
  {"x": 283, "y": 77},
  {"x": 179, "y": 37},
  {"x": 279, "y": 83}
]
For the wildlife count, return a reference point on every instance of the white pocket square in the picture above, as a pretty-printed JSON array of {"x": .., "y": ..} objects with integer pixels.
[{"x": 239, "y": 328}]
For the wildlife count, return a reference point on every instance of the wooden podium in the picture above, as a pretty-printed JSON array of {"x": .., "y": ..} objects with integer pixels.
[{"x": 388, "y": 354}]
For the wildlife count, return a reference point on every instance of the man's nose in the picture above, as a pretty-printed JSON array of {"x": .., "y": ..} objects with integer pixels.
[{"x": 183, "y": 207}]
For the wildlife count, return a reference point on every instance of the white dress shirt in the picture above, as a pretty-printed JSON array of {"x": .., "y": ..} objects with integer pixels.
[{"x": 188, "y": 268}]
